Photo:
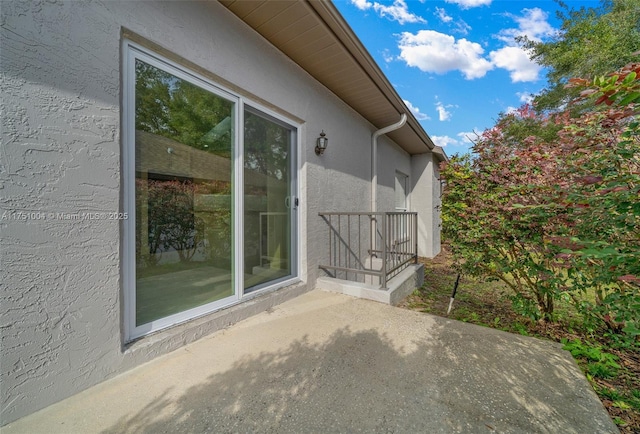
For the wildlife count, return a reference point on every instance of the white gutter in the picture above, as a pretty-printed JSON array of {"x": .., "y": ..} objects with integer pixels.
[{"x": 374, "y": 158}]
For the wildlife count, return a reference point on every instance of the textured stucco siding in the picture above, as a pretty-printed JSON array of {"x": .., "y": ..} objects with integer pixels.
[
  {"x": 391, "y": 159},
  {"x": 426, "y": 201},
  {"x": 60, "y": 155},
  {"x": 61, "y": 295},
  {"x": 423, "y": 195}
]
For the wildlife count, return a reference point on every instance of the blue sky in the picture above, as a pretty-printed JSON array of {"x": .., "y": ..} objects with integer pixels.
[{"x": 455, "y": 62}]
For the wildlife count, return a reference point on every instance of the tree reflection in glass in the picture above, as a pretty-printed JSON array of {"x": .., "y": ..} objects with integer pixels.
[{"x": 184, "y": 148}]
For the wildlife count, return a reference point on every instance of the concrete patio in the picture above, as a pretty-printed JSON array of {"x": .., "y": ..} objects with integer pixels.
[{"x": 327, "y": 362}]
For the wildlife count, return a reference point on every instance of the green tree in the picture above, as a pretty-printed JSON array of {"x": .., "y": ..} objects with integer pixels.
[
  {"x": 173, "y": 224},
  {"x": 518, "y": 125},
  {"x": 591, "y": 41},
  {"x": 175, "y": 108},
  {"x": 153, "y": 95},
  {"x": 603, "y": 157},
  {"x": 559, "y": 217},
  {"x": 496, "y": 216}
]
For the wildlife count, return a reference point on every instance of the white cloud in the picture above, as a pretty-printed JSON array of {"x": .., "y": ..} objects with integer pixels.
[
  {"x": 533, "y": 24},
  {"x": 461, "y": 27},
  {"x": 398, "y": 11},
  {"x": 517, "y": 62},
  {"x": 466, "y": 4},
  {"x": 431, "y": 51},
  {"x": 387, "y": 56},
  {"x": 464, "y": 138},
  {"x": 443, "y": 141},
  {"x": 436, "y": 52},
  {"x": 442, "y": 14},
  {"x": 469, "y": 137},
  {"x": 363, "y": 5},
  {"x": 416, "y": 111},
  {"x": 525, "y": 97},
  {"x": 443, "y": 113}
]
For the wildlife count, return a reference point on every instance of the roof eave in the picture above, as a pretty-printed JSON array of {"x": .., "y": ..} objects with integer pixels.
[
  {"x": 332, "y": 17},
  {"x": 356, "y": 64}
]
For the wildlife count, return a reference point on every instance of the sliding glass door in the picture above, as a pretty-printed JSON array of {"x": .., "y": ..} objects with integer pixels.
[
  {"x": 214, "y": 209},
  {"x": 267, "y": 199},
  {"x": 184, "y": 149}
]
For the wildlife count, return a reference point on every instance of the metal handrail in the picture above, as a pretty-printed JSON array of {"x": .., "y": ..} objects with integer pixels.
[{"x": 390, "y": 241}]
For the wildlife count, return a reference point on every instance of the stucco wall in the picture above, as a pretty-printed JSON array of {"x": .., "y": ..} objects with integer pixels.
[
  {"x": 423, "y": 193},
  {"x": 426, "y": 201},
  {"x": 61, "y": 155},
  {"x": 390, "y": 159}
]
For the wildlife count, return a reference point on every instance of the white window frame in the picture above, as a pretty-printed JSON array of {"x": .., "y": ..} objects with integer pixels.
[
  {"x": 132, "y": 51},
  {"x": 294, "y": 170}
]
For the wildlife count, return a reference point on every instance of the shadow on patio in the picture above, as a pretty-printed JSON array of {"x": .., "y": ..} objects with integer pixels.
[
  {"x": 355, "y": 381},
  {"x": 325, "y": 362}
]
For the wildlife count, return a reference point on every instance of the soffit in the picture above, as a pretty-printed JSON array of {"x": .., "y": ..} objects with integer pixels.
[{"x": 315, "y": 36}]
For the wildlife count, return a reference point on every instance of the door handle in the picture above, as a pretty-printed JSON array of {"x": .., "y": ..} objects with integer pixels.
[{"x": 287, "y": 202}]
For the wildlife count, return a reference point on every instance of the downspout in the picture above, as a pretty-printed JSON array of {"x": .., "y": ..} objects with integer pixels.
[
  {"x": 374, "y": 198},
  {"x": 374, "y": 158}
]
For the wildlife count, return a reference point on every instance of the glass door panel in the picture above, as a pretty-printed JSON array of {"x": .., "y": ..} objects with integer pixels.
[
  {"x": 183, "y": 188},
  {"x": 267, "y": 199}
]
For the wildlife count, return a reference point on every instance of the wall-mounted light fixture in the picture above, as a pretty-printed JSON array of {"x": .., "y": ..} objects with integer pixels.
[{"x": 321, "y": 143}]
